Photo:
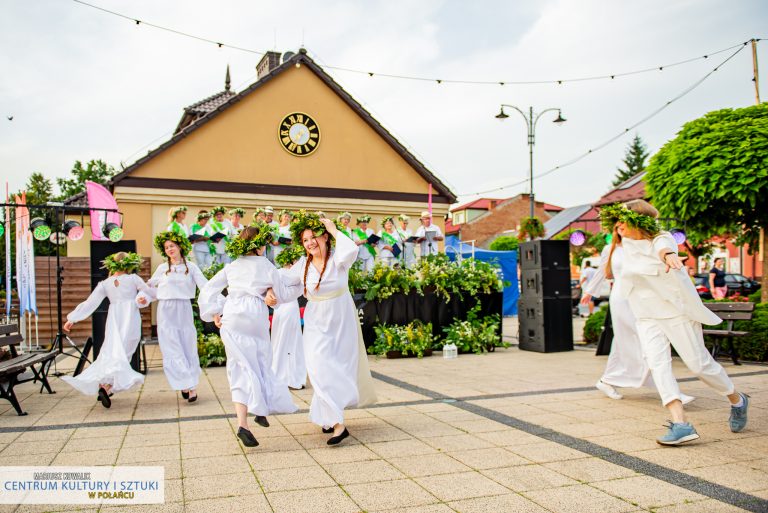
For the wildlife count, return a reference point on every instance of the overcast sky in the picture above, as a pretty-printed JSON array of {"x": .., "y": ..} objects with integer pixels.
[{"x": 81, "y": 84}]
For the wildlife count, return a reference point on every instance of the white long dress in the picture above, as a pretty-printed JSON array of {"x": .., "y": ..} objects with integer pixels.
[
  {"x": 245, "y": 332},
  {"x": 363, "y": 253},
  {"x": 626, "y": 366},
  {"x": 288, "y": 362},
  {"x": 176, "y": 333},
  {"x": 408, "y": 256},
  {"x": 333, "y": 344},
  {"x": 386, "y": 256},
  {"x": 121, "y": 335}
]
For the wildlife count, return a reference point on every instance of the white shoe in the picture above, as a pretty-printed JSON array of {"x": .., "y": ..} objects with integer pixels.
[
  {"x": 686, "y": 399},
  {"x": 608, "y": 390}
]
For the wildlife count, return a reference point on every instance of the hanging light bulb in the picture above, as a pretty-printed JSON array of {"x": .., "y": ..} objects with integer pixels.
[
  {"x": 113, "y": 232},
  {"x": 678, "y": 234},
  {"x": 578, "y": 238},
  {"x": 39, "y": 228},
  {"x": 72, "y": 230}
]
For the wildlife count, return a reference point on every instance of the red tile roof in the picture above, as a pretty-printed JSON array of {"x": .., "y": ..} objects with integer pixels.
[
  {"x": 450, "y": 228},
  {"x": 479, "y": 204},
  {"x": 634, "y": 188}
]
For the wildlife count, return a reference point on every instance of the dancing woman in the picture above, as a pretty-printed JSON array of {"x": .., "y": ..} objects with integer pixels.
[
  {"x": 333, "y": 345},
  {"x": 112, "y": 372},
  {"x": 174, "y": 283},
  {"x": 244, "y": 321},
  {"x": 668, "y": 311}
]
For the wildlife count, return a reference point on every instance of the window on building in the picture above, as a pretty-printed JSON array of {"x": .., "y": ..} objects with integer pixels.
[{"x": 458, "y": 217}]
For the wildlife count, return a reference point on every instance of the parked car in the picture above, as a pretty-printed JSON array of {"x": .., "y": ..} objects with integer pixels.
[{"x": 736, "y": 283}]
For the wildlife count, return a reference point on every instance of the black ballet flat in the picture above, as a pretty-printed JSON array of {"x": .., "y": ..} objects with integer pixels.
[
  {"x": 261, "y": 421},
  {"x": 247, "y": 438},
  {"x": 335, "y": 440},
  {"x": 110, "y": 395},
  {"x": 328, "y": 431},
  {"x": 185, "y": 395},
  {"x": 192, "y": 399},
  {"x": 106, "y": 402}
]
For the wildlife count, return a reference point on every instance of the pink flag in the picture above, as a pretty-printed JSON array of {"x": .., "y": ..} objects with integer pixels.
[
  {"x": 429, "y": 200},
  {"x": 100, "y": 197}
]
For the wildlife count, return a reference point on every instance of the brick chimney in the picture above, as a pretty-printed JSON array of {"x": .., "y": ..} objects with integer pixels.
[{"x": 270, "y": 61}]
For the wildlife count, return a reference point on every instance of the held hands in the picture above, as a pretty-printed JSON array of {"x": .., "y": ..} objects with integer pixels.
[
  {"x": 142, "y": 301},
  {"x": 68, "y": 326},
  {"x": 585, "y": 299},
  {"x": 217, "y": 320},
  {"x": 270, "y": 299}
]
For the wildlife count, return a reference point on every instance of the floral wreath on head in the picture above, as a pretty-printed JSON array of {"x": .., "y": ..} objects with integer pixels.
[
  {"x": 177, "y": 238},
  {"x": 176, "y": 211},
  {"x": 384, "y": 220},
  {"x": 203, "y": 215},
  {"x": 240, "y": 246},
  {"x": 258, "y": 211},
  {"x": 343, "y": 215},
  {"x": 289, "y": 255},
  {"x": 218, "y": 210},
  {"x": 237, "y": 210},
  {"x": 610, "y": 215},
  {"x": 365, "y": 218},
  {"x": 403, "y": 217},
  {"x": 303, "y": 220},
  {"x": 619, "y": 213},
  {"x": 284, "y": 212},
  {"x": 130, "y": 263}
]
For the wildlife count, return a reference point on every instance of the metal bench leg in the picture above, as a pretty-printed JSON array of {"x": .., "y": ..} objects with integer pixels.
[
  {"x": 42, "y": 376},
  {"x": 6, "y": 392},
  {"x": 734, "y": 352}
]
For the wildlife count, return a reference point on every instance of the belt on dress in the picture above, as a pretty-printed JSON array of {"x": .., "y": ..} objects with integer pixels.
[{"x": 330, "y": 295}]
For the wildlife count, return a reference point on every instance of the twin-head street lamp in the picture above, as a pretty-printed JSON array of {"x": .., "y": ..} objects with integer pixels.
[{"x": 530, "y": 123}]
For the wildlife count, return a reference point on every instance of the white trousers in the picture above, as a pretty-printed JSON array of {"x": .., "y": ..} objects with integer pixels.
[{"x": 688, "y": 340}]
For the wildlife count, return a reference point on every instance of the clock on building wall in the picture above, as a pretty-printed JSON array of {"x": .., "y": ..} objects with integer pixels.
[{"x": 299, "y": 134}]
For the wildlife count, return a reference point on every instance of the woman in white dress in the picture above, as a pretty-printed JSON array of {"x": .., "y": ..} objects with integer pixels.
[
  {"x": 202, "y": 247},
  {"x": 112, "y": 372},
  {"x": 288, "y": 361},
  {"x": 176, "y": 216},
  {"x": 409, "y": 248},
  {"x": 366, "y": 252},
  {"x": 342, "y": 221},
  {"x": 626, "y": 366},
  {"x": 283, "y": 229},
  {"x": 244, "y": 321},
  {"x": 388, "y": 242},
  {"x": 174, "y": 283},
  {"x": 333, "y": 344}
]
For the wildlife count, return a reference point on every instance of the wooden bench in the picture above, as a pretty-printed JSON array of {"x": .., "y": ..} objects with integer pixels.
[
  {"x": 11, "y": 370},
  {"x": 729, "y": 312}
]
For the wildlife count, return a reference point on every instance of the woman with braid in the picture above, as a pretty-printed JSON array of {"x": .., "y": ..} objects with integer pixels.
[
  {"x": 244, "y": 321},
  {"x": 174, "y": 284},
  {"x": 333, "y": 344}
]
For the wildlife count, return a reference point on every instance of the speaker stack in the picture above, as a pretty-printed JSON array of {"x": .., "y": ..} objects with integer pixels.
[{"x": 544, "y": 309}]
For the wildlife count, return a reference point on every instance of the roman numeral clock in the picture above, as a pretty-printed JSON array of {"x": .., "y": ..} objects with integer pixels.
[{"x": 299, "y": 134}]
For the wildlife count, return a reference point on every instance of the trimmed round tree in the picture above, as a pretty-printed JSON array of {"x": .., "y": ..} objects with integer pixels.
[{"x": 714, "y": 177}]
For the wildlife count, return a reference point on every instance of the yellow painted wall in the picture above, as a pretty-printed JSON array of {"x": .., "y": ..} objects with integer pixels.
[{"x": 241, "y": 144}]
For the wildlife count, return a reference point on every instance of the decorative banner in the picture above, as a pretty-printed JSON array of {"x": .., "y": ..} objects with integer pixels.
[
  {"x": 8, "y": 298},
  {"x": 25, "y": 259},
  {"x": 100, "y": 197}
]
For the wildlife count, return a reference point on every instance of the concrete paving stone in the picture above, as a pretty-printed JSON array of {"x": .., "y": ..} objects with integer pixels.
[
  {"x": 291, "y": 443},
  {"x": 432, "y": 430},
  {"x": 589, "y": 470},
  {"x": 431, "y": 508},
  {"x": 581, "y": 498},
  {"x": 735, "y": 475},
  {"x": 225, "y": 485},
  {"x": 280, "y": 459},
  {"x": 708, "y": 506},
  {"x": 497, "y": 503},
  {"x": 27, "y": 460},
  {"x": 478, "y": 426},
  {"x": 206, "y": 436},
  {"x": 292, "y": 418},
  {"x": 388, "y": 495},
  {"x": 464, "y": 485},
  {"x": 256, "y": 503},
  {"x": 495, "y": 457},
  {"x": 379, "y": 434},
  {"x": 172, "y": 469},
  {"x": 230, "y": 464},
  {"x": 177, "y": 507},
  {"x": 222, "y": 447},
  {"x": 544, "y": 452},
  {"x": 687, "y": 458},
  {"x": 150, "y": 440},
  {"x": 647, "y": 492},
  {"x": 457, "y": 442},
  {"x": 432, "y": 407},
  {"x": 429, "y": 465},
  {"x": 624, "y": 442},
  {"x": 592, "y": 415},
  {"x": 302, "y": 428},
  {"x": 360, "y": 423},
  {"x": 301, "y": 478},
  {"x": 37, "y": 436},
  {"x": 363, "y": 472},
  {"x": 155, "y": 429},
  {"x": 40, "y": 447},
  {"x": 96, "y": 457},
  {"x": 391, "y": 411},
  {"x": 342, "y": 454},
  {"x": 454, "y": 415},
  {"x": 508, "y": 437},
  {"x": 203, "y": 425},
  {"x": 397, "y": 448},
  {"x": 583, "y": 429},
  {"x": 90, "y": 444},
  {"x": 528, "y": 477},
  {"x": 550, "y": 420},
  {"x": 318, "y": 500},
  {"x": 140, "y": 454},
  {"x": 759, "y": 464}
]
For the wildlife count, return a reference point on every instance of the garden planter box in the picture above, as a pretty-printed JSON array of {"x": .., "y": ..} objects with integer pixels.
[{"x": 392, "y": 355}]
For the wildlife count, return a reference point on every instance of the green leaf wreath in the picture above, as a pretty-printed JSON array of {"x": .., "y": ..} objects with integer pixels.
[
  {"x": 289, "y": 255},
  {"x": 130, "y": 263},
  {"x": 180, "y": 239},
  {"x": 612, "y": 214},
  {"x": 239, "y": 246}
]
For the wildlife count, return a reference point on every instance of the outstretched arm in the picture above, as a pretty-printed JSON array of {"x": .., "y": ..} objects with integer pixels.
[
  {"x": 87, "y": 307},
  {"x": 211, "y": 301}
]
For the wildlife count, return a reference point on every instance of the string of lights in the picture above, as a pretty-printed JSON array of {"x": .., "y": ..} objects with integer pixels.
[
  {"x": 605, "y": 76},
  {"x": 617, "y": 136}
]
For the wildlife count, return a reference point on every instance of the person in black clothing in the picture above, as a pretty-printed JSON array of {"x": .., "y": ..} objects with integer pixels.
[{"x": 717, "y": 279}]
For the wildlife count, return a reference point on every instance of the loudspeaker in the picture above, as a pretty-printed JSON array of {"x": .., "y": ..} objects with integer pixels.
[
  {"x": 100, "y": 250},
  {"x": 549, "y": 283},
  {"x": 545, "y": 254},
  {"x": 545, "y": 325}
]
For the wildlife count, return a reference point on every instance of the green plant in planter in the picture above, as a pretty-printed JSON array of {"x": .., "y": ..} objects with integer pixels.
[
  {"x": 211, "y": 350},
  {"x": 594, "y": 325},
  {"x": 475, "y": 277},
  {"x": 438, "y": 272},
  {"x": 505, "y": 243},
  {"x": 384, "y": 281},
  {"x": 412, "y": 339},
  {"x": 531, "y": 228},
  {"x": 474, "y": 334}
]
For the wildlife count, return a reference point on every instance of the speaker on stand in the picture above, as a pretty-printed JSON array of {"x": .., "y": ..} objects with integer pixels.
[{"x": 544, "y": 307}]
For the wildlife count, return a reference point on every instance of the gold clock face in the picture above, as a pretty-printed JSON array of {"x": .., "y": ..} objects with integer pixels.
[{"x": 299, "y": 134}]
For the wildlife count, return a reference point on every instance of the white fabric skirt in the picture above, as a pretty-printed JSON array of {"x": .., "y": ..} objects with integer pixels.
[
  {"x": 177, "y": 337},
  {"x": 288, "y": 361},
  {"x": 245, "y": 333},
  {"x": 121, "y": 337},
  {"x": 626, "y": 366}
]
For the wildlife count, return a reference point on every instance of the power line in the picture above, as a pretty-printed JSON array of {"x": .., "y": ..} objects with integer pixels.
[
  {"x": 436, "y": 80},
  {"x": 620, "y": 134}
]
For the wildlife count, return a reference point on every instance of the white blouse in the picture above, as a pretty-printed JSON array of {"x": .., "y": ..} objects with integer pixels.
[{"x": 178, "y": 284}]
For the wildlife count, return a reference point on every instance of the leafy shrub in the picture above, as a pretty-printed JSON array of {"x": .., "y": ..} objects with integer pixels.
[
  {"x": 594, "y": 325},
  {"x": 505, "y": 243},
  {"x": 414, "y": 338},
  {"x": 474, "y": 334},
  {"x": 211, "y": 350}
]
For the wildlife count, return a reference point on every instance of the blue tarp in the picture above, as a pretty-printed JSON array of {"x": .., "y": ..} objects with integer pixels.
[{"x": 506, "y": 259}]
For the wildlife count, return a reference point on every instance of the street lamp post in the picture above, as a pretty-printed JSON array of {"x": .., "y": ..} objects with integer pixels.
[{"x": 530, "y": 123}]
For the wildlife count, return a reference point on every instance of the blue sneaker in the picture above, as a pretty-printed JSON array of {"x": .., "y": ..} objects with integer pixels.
[
  {"x": 738, "y": 420},
  {"x": 678, "y": 433}
]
